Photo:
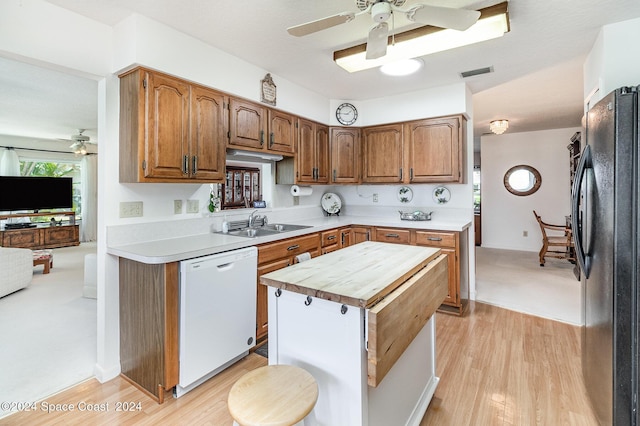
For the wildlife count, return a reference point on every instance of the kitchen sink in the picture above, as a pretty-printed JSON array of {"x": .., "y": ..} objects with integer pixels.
[
  {"x": 284, "y": 227},
  {"x": 270, "y": 229}
]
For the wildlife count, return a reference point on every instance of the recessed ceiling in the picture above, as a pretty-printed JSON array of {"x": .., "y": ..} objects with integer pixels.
[{"x": 537, "y": 78}]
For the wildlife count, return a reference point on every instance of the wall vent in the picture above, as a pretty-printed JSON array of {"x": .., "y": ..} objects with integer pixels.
[{"x": 477, "y": 71}]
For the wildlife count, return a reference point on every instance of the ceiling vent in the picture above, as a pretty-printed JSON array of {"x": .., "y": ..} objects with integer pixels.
[{"x": 477, "y": 71}]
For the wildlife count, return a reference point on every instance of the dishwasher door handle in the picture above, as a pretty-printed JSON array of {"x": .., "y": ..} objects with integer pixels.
[{"x": 225, "y": 266}]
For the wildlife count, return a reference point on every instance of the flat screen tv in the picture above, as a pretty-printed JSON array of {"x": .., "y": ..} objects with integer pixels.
[{"x": 35, "y": 193}]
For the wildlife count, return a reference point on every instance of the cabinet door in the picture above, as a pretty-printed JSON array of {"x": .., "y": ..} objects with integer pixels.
[
  {"x": 383, "y": 154},
  {"x": 167, "y": 124},
  {"x": 306, "y": 160},
  {"x": 360, "y": 234},
  {"x": 452, "y": 296},
  {"x": 345, "y": 154},
  {"x": 345, "y": 238},
  {"x": 322, "y": 154},
  {"x": 434, "y": 150},
  {"x": 208, "y": 134},
  {"x": 282, "y": 132},
  {"x": 247, "y": 124},
  {"x": 262, "y": 306}
]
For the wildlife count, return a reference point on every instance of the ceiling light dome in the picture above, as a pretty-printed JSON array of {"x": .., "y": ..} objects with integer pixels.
[
  {"x": 499, "y": 126},
  {"x": 401, "y": 68}
]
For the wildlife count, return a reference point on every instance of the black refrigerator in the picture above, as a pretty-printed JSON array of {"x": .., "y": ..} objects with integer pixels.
[{"x": 605, "y": 198}]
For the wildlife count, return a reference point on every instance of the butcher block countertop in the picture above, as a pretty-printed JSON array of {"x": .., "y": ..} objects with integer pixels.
[{"x": 359, "y": 275}]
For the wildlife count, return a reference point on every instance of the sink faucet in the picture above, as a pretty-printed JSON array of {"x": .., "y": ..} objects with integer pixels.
[{"x": 253, "y": 217}]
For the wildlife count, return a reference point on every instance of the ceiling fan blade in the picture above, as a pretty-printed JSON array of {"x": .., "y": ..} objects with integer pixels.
[
  {"x": 377, "y": 41},
  {"x": 321, "y": 24},
  {"x": 443, "y": 17}
]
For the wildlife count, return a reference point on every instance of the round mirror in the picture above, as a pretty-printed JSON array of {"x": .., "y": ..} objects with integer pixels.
[{"x": 522, "y": 180}]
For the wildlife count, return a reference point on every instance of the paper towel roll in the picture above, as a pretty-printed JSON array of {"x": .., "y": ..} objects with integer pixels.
[{"x": 301, "y": 191}]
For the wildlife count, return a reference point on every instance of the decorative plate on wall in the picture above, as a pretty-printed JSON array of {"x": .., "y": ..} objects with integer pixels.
[
  {"x": 405, "y": 194},
  {"x": 441, "y": 195},
  {"x": 331, "y": 203}
]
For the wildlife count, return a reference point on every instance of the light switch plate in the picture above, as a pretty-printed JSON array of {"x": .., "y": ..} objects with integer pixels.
[
  {"x": 131, "y": 209},
  {"x": 193, "y": 206},
  {"x": 177, "y": 206}
]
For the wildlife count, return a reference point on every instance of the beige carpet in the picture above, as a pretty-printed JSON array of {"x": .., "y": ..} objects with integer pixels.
[
  {"x": 514, "y": 280},
  {"x": 48, "y": 331}
]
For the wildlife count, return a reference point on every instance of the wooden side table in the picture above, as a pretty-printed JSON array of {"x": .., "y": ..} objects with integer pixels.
[{"x": 43, "y": 257}]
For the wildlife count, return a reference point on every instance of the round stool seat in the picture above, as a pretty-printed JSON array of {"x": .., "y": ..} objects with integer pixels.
[{"x": 275, "y": 395}]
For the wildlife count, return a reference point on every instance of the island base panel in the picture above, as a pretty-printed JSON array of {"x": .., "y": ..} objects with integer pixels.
[{"x": 331, "y": 345}]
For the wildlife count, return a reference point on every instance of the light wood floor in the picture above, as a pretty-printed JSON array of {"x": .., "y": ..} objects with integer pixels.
[{"x": 496, "y": 367}]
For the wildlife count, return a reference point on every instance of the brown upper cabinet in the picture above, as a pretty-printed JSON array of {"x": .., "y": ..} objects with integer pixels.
[
  {"x": 170, "y": 130},
  {"x": 313, "y": 152},
  {"x": 247, "y": 124},
  {"x": 434, "y": 150},
  {"x": 256, "y": 127},
  {"x": 382, "y": 149},
  {"x": 345, "y": 155}
]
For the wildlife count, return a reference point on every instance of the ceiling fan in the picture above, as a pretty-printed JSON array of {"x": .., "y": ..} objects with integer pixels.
[
  {"x": 78, "y": 146},
  {"x": 381, "y": 11}
]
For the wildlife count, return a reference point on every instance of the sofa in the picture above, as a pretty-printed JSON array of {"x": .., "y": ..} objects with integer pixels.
[{"x": 16, "y": 265}]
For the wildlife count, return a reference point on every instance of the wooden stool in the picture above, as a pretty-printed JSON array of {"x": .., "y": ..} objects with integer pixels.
[
  {"x": 275, "y": 395},
  {"x": 43, "y": 257}
]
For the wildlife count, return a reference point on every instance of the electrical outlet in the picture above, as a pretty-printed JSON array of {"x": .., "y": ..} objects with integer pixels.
[
  {"x": 525, "y": 233},
  {"x": 131, "y": 209},
  {"x": 375, "y": 198},
  {"x": 177, "y": 206},
  {"x": 193, "y": 206}
]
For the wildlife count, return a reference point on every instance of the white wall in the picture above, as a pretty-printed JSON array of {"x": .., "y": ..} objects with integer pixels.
[
  {"x": 613, "y": 62},
  {"x": 505, "y": 216}
]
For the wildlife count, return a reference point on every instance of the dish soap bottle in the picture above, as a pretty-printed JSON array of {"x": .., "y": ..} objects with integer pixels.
[{"x": 225, "y": 225}]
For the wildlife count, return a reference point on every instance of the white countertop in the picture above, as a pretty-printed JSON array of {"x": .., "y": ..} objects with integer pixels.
[{"x": 188, "y": 247}]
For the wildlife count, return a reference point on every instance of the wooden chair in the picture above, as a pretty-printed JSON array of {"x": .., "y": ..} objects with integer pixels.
[{"x": 558, "y": 244}]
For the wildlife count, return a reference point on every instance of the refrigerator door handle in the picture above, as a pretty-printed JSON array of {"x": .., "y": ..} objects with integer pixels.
[{"x": 576, "y": 221}]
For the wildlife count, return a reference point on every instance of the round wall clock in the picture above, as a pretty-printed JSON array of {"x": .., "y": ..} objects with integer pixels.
[{"x": 346, "y": 114}]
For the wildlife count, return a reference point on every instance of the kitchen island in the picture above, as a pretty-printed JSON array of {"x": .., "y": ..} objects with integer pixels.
[{"x": 361, "y": 321}]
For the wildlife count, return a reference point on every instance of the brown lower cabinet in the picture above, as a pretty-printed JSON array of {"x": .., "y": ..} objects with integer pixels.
[
  {"x": 149, "y": 323},
  {"x": 274, "y": 256}
]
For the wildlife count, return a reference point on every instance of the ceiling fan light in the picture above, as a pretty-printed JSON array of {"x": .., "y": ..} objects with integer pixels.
[
  {"x": 499, "y": 126},
  {"x": 413, "y": 44},
  {"x": 402, "y": 67}
]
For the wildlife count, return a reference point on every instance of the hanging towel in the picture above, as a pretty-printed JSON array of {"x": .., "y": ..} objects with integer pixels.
[{"x": 302, "y": 257}]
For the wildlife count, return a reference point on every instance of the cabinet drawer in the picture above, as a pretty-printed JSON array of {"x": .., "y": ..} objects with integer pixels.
[
  {"x": 288, "y": 248},
  {"x": 391, "y": 235},
  {"x": 329, "y": 237},
  {"x": 436, "y": 239}
]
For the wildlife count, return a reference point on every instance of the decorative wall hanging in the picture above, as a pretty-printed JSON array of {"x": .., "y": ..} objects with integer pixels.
[{"x": 268, "y": 90}]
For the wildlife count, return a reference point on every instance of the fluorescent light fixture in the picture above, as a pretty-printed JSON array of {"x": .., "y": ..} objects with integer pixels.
[
  {"x": 240, "y": 154},
  {"x": 402, "y": 68},
  {"x": 493, "y": 23}
]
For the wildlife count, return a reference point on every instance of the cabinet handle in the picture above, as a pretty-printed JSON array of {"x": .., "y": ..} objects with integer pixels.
[
  {"x": 334, "y": 175},
  {"x": 194, "y": 169},
  {"x": 411, "y": 174},
  {"x": 293, "y": 247},
  {"x": 271, "y": 140},
  {"x": 368, "y": 236},
  {"x": 392, "y": 235},
  {"x": 261, "y": 137},
  {"x": 400, "y": 174},
  {"x": 185, "y": 164},
  {"x": 331, "y": 237},
  {"x": 434, "y": 238},
  {"x": 315, "y": 174}
]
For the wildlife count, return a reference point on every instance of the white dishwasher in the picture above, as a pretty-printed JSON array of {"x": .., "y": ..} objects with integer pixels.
[{"x": 217, "y": 314}]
